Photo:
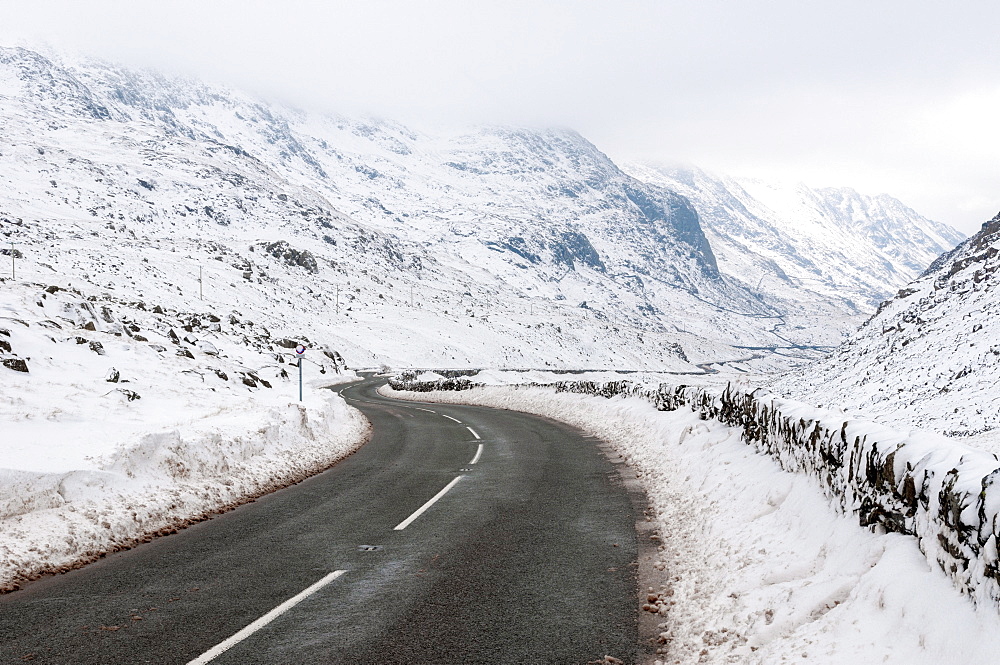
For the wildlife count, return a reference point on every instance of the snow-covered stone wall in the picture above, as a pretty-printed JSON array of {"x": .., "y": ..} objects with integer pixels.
[{"x": 913, "y": 483}]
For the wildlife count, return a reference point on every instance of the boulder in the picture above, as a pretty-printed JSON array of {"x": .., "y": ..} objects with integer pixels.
[{"x": 16, "y": 364}]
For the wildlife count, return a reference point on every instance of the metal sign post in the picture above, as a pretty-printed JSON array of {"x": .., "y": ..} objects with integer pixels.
[{"x": 299, "y": 352}]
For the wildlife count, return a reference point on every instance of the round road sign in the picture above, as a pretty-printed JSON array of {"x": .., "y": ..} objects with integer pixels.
[{"x": 299, "y": 350}]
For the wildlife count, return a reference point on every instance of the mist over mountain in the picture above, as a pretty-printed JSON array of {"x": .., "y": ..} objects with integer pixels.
[
  {"x": 930, "y": 356},
  {"x": 833, "y": 244},
  {"x": 484, "y": 246}
]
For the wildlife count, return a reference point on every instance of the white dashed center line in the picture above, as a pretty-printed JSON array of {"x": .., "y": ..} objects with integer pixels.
[
  {"x": 479, "y": 453},
  {"x": 427, "y": 410},
  {"x": 420, "y": 511},
  {"x": 222, "y": 647},
  {"x": 473, "y": 432},
  {"x": 450, "y": 418}
]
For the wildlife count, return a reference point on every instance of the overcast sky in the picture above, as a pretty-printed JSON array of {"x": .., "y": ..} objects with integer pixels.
[{"x": 882, "y": 95}]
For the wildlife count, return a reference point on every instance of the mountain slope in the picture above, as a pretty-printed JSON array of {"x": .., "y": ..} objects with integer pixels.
[
  {"x": 847, "y": 249},
  {"x": 930, "y": 357},
  {"x": 482, "y": 245}
]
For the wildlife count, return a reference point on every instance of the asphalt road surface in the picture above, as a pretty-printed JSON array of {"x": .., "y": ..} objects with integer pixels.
[{"x": 458, "y": 534}]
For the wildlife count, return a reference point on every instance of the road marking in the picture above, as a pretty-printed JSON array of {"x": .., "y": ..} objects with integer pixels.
[
  {"x": 473, "y": 432},
  {"x": 479, "y": 453},
  {"x": 222, "y": 647},
  {"x": 427, "y": 410},
  {"x": 420, "y": 511},
  {"x": 450, "y": 418}
]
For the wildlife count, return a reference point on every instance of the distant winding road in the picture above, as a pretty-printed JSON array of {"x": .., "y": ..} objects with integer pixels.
[{"x": 458, "y": 534}]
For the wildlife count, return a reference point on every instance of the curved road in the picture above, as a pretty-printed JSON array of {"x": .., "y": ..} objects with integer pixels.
[{"x": 458, "y": 534}]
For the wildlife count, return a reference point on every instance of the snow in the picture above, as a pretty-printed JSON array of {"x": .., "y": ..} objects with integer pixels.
[
  {"x": 87, "y": 470},
  {"x": 929, "y": 359},
  {"x": 473, "y": 244},
  {"x": 449, "y": 248},
  {"x": 757, "y": 565}
]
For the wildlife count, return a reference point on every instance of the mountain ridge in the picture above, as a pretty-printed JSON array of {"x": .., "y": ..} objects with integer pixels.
[{"x": 536, "y": 220}]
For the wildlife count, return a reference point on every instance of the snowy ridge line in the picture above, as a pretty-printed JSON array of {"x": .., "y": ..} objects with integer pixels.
[{"x": 914, "y": 483}]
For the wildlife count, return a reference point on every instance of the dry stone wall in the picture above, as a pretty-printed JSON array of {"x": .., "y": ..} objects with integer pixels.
[{"x": 944, "y": 494}]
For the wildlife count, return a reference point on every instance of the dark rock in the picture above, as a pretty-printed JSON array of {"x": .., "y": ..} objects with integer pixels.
[
  {"x": 113, "y": 376},
  {"x": 52, "y": 289},
  {"x": 4, "y": 332},
  {"x": 219, "y": 373},
  {"x": 140, "y": 338},
  {"x": 172, "y": 336},
  {"x": 5, "y": 346},
  {"x": 89, "y": 325},
  {"x": 286, "y": 343},
  {"x": 98, "y": 348},
  {"x": 16, "y": 364},
  {"x": 130, "y": 395},
  {"x": 157, "y": 310},
  {"x": 292, "y": 257},
  {"x": 185, "y": 353},
  {"x": 81, "y": 340},
  {"x": 158, "y": 348}
]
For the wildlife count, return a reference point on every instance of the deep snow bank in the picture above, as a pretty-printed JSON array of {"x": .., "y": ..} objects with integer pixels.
[
  {"x": 165, "y": 480},
  {"x": 914, "y": 483},
  {"x": 122, "y": 418},
  {"x": 758, "y": 566}
]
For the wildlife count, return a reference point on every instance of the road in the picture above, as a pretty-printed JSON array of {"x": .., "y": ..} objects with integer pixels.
[{"x": 458, "y": 534}]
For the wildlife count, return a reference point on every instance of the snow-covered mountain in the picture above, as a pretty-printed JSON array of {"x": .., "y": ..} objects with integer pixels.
[
  {"x": 930, "y": 357},
  {"x": 483, "y": 246},
  {"x": 838, "y": 246}
]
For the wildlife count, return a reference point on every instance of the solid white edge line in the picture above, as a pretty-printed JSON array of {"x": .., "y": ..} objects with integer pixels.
[
  {"x": 479, "y": 453},
  {"x": 420, "y": 511},
  {"x": 224, "y": 646},
  {"x": 450, "y": 418},
  {"x": 473, "y": 432}
]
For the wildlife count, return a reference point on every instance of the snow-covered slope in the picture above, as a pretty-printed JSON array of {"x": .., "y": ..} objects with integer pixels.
[
  {"x": 930, "y": 357},
  {"x": 832, "y": 245},
  {"x": 483, "y": 246}
]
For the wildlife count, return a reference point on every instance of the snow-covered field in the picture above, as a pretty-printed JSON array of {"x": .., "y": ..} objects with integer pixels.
[
  {"x": 119, "y": 431},
  {"x": 757, "y": 565}
]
